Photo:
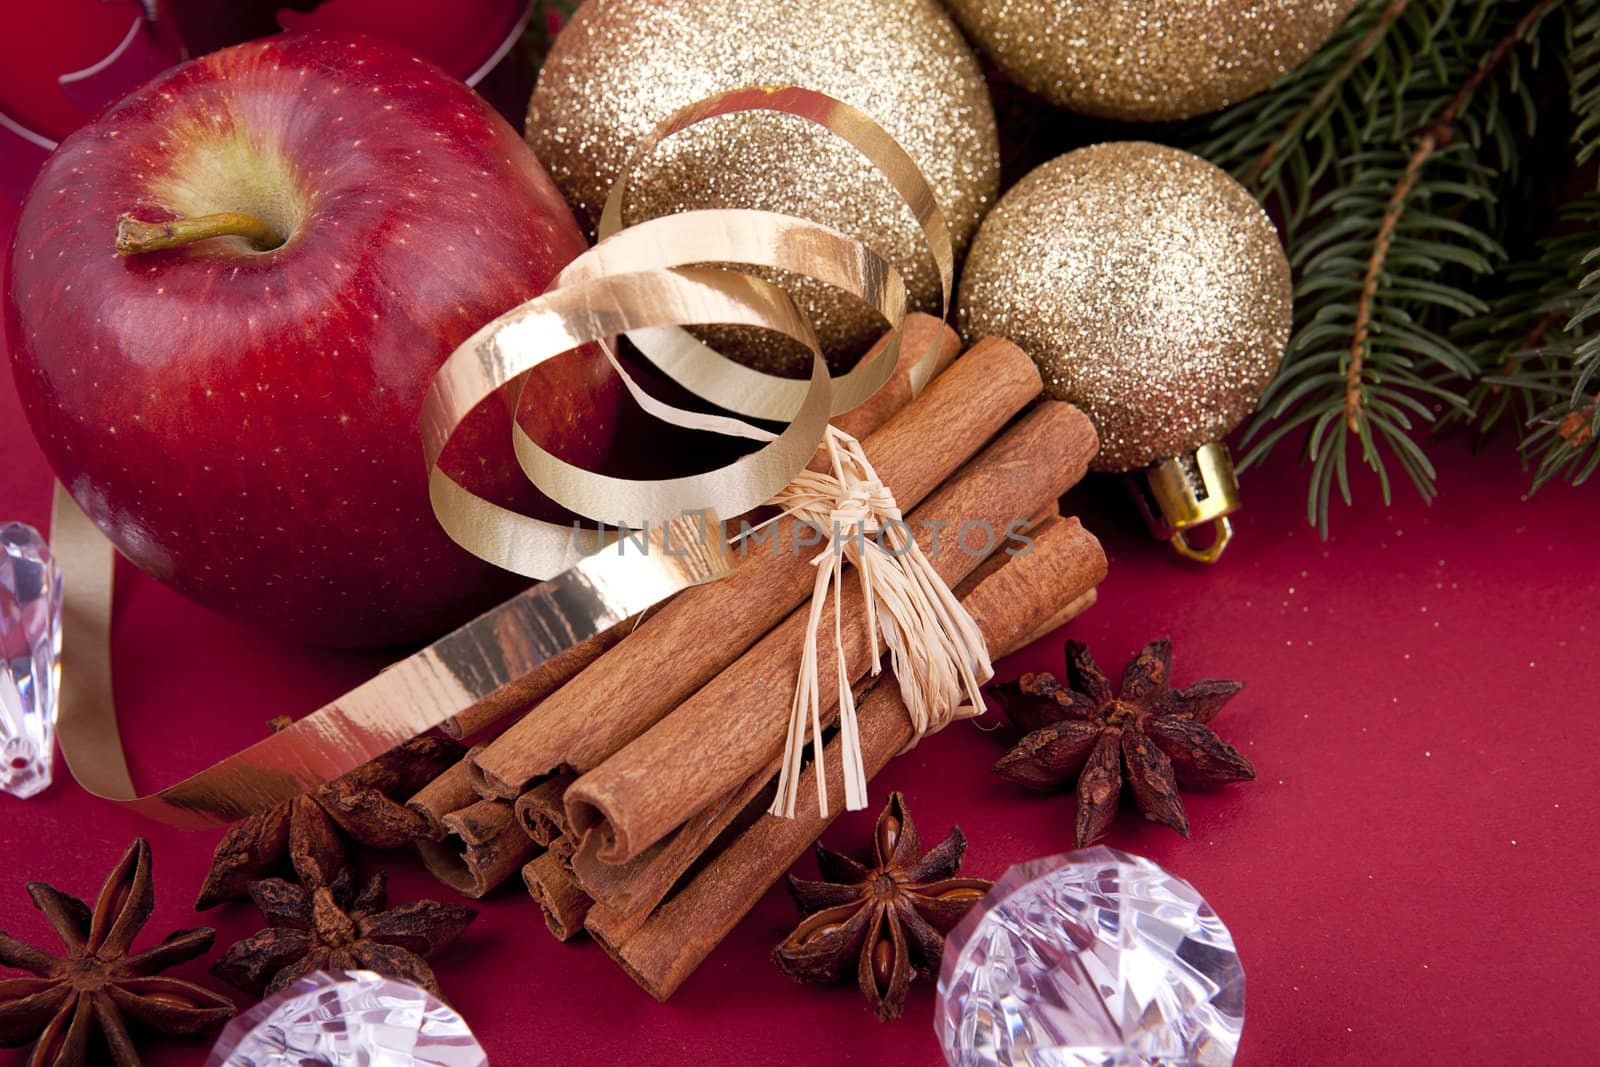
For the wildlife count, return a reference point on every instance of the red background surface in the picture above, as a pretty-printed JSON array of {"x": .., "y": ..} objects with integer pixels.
[{"x": 1412, "y": 879}]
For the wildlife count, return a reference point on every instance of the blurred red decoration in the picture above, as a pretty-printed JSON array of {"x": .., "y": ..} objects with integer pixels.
[
  {"x": 63, "y": 62},
  {"x": 66, "y": 60},
  {"x": 466, "y": 38}
]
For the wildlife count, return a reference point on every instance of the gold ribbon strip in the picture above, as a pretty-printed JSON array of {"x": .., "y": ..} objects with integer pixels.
[
  {"x": 411, "y": 697},
  {"x": 647, "y": 282}
]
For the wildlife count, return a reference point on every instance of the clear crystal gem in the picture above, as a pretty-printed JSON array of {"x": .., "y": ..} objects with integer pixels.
[
  {"x": 1090, "y": 958},
  {"x": 348, "y": 1019},
  {"x": 30, "y": 659}
]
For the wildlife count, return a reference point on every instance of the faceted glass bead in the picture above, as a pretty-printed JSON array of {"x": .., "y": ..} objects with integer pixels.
[
  {"x": 30, "y": 659},
  {"x": 352, "y": 1019},
  {"x": 1090, "y": 958}
]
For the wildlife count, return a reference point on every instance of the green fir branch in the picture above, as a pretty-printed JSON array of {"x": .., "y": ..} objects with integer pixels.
[
  {"x": 1384, "y": 156},
  {"x": 1583, "y": 48},
  {"x": 1538, "y": 351},
  {"x": 1540, "y": 347}
]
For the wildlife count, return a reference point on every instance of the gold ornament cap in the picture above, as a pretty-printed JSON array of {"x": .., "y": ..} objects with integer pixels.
[{"x": 1188, "y": 491}]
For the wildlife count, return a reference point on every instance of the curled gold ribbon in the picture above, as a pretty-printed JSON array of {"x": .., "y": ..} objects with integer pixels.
[
  {"x": 595, "y": 309},
  {"x": 651, "y": 312},
  {"x": 672, "y": 348},
  {"x": 647, "y": 282}
]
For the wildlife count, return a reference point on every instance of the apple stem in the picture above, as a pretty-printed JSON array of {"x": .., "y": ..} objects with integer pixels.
[{"x": 135, "y": 236}]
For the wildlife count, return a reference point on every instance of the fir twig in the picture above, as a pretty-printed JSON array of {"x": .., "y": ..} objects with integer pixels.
[
  {"x": 1439, "y": 134},
  {"x": 1384, "y": 157},
  {"x": 1546, "y": 376},
  {"x": 1253, "y": 174}
]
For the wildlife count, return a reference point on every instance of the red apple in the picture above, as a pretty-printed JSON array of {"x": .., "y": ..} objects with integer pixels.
[{"x": 240, "y": 415}]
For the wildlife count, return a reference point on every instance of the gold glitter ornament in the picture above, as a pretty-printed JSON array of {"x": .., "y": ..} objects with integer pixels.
[
  {"x": 622, "y": 66},
  {"x": 1148, "y": 60},
  {"x": 1153, "y": 292}
]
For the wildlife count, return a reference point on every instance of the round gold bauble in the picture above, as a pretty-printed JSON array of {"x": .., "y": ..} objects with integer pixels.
[
  {"x": 1149, "y": 287},
  {"x": 1148, "y": 60},
  {"x": 622, "y": 66}
]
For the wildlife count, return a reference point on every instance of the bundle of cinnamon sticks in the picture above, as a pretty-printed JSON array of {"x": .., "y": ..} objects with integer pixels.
[{"x": 632, "y": 794}]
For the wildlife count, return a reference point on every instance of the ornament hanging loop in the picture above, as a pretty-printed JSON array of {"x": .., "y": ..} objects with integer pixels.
[
  {"x": 1210, "y": 553},
  {"x": 1188, "y": 491}
]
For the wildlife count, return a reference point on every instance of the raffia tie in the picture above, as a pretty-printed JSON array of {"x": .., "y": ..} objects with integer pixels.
[{"x": 935, "y": 648}]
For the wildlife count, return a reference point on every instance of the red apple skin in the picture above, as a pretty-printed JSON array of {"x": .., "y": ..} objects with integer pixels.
[{"x": 243, "y": 425}]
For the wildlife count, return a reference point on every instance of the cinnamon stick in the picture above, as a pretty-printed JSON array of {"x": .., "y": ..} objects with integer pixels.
[
  {"x": 482, "y": 847},
  {"x": 540, "y": 812},
  {"x": 920, "y": 332},
  {"x": 1009, "y": 605},
  {"x": 705, "y": 629},
  {"x": 996, "y": 560},
  {"x": 451, "y": 791},
  {"x": 536, "y": 685},
  {"x": 1061, "y": 618},
  {"x": 917, "y": 335},
  {"x": 737, "y": 722},
  {"x": 562, "y": 899},
  {"x": 626, "y": 893}
]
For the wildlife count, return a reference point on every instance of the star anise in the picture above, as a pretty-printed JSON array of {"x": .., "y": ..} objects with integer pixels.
[
  {"x": 333, "y": 927},
  {"x": 1149, "y": 734},
  {"x": 884, "y": 924},
  {"x": 367, "y": 805},
  {"x": 96, "y": 983}
]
